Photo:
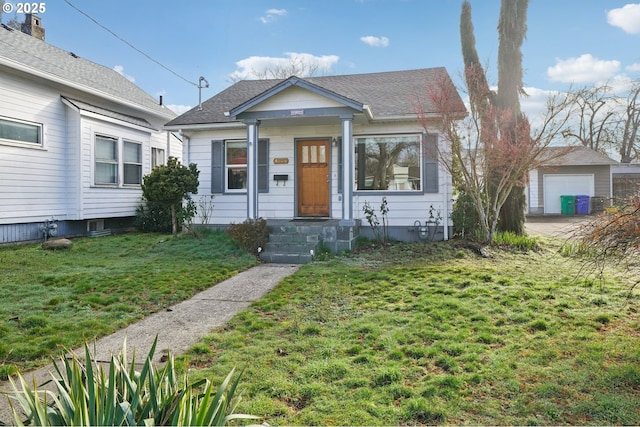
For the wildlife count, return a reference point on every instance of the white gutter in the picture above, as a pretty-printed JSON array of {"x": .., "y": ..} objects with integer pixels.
[{"x": 206, "y": 126}]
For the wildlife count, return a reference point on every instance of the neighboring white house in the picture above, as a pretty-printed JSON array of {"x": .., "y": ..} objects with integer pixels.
[
  {"x": 76, "y": 139},
  {"x": 320, "y": 148},
  {"x": 574, "y": 171}
]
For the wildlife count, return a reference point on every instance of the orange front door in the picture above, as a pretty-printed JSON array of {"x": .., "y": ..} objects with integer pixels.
[{"x": 313, "y": 178}]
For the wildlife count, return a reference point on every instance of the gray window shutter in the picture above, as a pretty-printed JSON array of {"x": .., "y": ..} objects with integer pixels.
[
  {"x": 263, "y": 166},
  {"x": 430, "y": 163},
  {"x": 217, "y": 166},
  {"x": 361, "y": 161}
]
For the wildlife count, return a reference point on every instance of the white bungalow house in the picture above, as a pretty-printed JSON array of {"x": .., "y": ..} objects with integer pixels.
[
  {"x": 75, "y": 140},
  {"x": 307, "y": 154}
]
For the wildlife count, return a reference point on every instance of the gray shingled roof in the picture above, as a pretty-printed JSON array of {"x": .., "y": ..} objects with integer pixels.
[
  {"x": 108, "y": 113},
  {"x": 388, "y": 94},
  {"x": 25, "y": 51},
  {"x": 575, "y": 156}
]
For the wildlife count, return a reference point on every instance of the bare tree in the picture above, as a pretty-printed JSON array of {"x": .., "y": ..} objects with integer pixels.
[
  {"x": 628, "y": 133},
  {"x": 612, "y": 238},
  {"x": 595, "y": 118},
  {"x": 296, "y": 66},
  {"x": 490, "y": 164}
]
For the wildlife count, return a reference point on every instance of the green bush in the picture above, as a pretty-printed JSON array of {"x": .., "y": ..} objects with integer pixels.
[
  {"x": 88, "y": 395},
  {"x": 466, "y": 223},
  {"x": 250, "y": 234},
  {"x": 155, "y": 217}
]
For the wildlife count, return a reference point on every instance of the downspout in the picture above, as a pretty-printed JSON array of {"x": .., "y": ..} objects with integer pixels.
[
  {"x": 168, "y": 144},
  {"x": 185, "y": 147}
]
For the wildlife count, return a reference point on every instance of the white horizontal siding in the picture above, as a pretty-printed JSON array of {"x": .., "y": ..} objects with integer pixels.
[
  {"x": 279, "y": 202},
  {"x": 32, "y": 180},
  {"x": 106, "y": 201},
  {"x": 295, "y": 98}
]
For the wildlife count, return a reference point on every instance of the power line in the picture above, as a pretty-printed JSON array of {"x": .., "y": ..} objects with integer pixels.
[{"x": 130, "y": 45}]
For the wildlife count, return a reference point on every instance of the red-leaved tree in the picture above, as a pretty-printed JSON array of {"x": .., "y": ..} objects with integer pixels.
[{"x": 485, "y": 161}]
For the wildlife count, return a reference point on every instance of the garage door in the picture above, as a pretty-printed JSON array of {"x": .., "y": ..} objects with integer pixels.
[{"x": 561, "y": 185}]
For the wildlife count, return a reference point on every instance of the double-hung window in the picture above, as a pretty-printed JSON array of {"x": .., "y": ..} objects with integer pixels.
[
  {"x": 389, "y": 163},
  {"x": 20, "y": 131},
  {"x": 229, "y": 166},
  {"x": 236, "y": 165},
  {"x": 118, "y": 161},
  {"x": 132, "y": 161},
  {"x": 106, "y": 156}
]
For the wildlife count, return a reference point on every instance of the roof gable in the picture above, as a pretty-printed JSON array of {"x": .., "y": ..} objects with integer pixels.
[{"x": 287, "y": 84}]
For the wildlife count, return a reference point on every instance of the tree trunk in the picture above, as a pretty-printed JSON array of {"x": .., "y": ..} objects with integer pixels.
[
  {"x": 174, "y": 220},
  {"x": 512, "y": 28}
]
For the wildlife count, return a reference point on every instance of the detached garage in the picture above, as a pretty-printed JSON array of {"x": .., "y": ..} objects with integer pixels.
[{"x": 570, "y": 171}]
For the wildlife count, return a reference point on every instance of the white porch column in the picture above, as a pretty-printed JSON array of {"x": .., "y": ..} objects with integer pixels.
[
  {"x": 252, "y": 168},
  {"x": 347, "y": 171}
]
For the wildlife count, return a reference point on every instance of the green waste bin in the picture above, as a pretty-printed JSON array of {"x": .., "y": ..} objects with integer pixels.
[{"x": 568, "y": 204}]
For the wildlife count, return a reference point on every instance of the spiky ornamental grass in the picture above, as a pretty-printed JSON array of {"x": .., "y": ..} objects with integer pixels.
[{"x": 87, "y": 395}]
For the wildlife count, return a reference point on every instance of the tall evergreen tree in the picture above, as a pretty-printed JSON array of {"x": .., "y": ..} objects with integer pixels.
[
  {"x": 499, "y": 114},
  {"x": 512, "y": 28}
]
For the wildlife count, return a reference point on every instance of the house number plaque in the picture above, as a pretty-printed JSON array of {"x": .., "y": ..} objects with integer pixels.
[{"x": 281, "y": 161}]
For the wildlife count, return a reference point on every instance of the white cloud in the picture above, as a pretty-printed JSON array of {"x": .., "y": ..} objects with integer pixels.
[
  {"x": 266, "y": 66},
  {"x": 626, "y": 17},
  {"x": 120, "y": 70},
  {"x": 633, "y": 67},
  {"x": 272, "y": 14},
  {"x": 179, "y": 109},
  {"x": 375, "y": 41},
  {"x": 584, "y": 69}
]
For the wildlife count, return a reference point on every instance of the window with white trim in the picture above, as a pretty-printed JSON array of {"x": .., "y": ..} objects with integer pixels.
[
  {"x": 106, "y": 156},
  {"x": 132, "y": 163},
  {"x": 157, "y": 157},
  {"x": 389, "y": 163},
  {"x": 12, "y": 130},
  {"x": 236, "y": 165}
]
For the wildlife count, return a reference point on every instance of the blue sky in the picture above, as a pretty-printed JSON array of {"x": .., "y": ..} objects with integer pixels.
[{"x": 568, "y": 41}]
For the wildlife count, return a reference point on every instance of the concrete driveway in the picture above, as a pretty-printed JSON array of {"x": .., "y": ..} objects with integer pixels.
[{"x": 558, "y": 226}]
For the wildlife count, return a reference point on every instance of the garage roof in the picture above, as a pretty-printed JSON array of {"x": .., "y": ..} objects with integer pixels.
[{"x": 575, "y": 156}]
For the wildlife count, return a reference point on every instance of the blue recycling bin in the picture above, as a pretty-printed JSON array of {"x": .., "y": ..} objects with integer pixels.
[{"x": 582, "y": 204}]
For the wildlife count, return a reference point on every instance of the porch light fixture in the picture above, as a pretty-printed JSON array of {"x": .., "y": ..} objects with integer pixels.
[{"x": 334, "y": 142}]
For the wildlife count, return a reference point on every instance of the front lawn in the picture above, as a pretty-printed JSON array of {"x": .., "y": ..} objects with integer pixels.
[
  {"x": 434, "y": 334},
  {"x": 55, "y": 300}
]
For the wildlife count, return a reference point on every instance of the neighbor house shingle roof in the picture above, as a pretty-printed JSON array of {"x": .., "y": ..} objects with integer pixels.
[
  {"x": 575, "y": 156},
  {"x": 28, "y": 54},
  {"x": 387, "y": 94}
]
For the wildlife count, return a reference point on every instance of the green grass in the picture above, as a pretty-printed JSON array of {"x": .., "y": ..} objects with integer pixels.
[
  {"x": 433, "y": 334},
  {"x": 55, "y": 300}
]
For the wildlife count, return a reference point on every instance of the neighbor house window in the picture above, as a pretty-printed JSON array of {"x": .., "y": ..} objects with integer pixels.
[
  {"x": 106, "y": 155},
  {"x": 19, "y": 131},
  {"x": 132, "y": 163},
  {"x": 157, "y": 157},
  {"x": 236, "y": 165},
  {"x": 389, "y": 163}
]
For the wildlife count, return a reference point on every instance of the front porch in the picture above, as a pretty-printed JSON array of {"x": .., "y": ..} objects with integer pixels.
[{"x": 296, "y": 241}]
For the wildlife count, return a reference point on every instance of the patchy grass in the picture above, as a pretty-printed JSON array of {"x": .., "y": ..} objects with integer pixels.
[
  {"x": 433, "y": 334},
  {"x": 60, "y": 299}
]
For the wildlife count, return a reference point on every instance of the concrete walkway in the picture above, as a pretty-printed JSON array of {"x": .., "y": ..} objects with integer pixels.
[{"x": 180, "y": 326}]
